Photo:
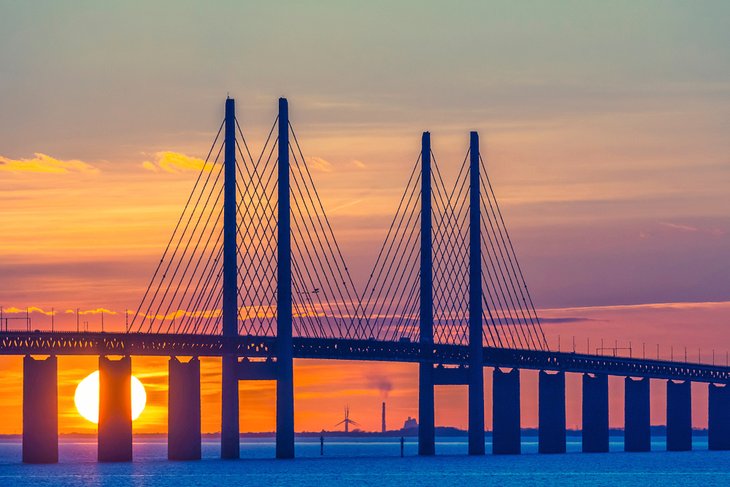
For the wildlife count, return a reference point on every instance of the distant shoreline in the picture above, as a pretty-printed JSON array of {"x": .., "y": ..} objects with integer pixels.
[{"x": 443, "y": 432}]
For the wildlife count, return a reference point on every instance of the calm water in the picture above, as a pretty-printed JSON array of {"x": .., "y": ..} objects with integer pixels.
[{"x": 371, "y": 462}]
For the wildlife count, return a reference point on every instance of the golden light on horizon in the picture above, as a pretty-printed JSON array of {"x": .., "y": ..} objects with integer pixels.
[{"x": 86, "y": 397}]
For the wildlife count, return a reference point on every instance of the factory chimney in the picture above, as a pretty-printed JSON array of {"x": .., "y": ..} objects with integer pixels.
[{"x": 383, "y": 423}]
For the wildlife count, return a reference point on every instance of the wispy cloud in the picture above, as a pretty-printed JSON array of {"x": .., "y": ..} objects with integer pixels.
[
  {"x": 566, "y": 319},
  {"x": 713, "y": 231},
  {"x": 680, "y": 227},
  {"x": 96, "y": 311},
  {"x": 319, "y": 164},
  {"x": 36, "y": 309},
  {"x": 181, "y": 313},
  {"x": 43, "y": 163},
  {"x": 344, "y": 205},
  {"x": 29, "y": 309},
  {"x": 175, "y": 162},
  {"x": 618, "y": 307}
]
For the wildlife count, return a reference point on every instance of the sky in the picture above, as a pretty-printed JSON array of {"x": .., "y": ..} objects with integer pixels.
[{"x": 604, "y": 128}]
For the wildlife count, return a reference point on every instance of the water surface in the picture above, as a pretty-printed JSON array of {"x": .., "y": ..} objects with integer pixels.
[{"x": 370, "y": 461}]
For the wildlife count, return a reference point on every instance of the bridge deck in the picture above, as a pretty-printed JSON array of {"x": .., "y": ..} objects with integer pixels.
[{"x": 72, "y": 343}]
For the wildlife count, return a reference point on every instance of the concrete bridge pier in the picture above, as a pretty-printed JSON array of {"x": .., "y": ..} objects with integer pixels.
[
  {"x": 426, "y": 413},
  {"x": 637, "y": 426},
  {"x": 595, "y": 413},
  {"x": 183, "y": 419},
  {"x": 506, "y": 412},
  {"x": 115, "y": 410},
  {"x": 679, "y": 415},
  {"x": 551, "y": 412},
  {"x": 40, "y": 410},
  {"x": 719, "y": 417},
  {"x": 230, "y": 441}
]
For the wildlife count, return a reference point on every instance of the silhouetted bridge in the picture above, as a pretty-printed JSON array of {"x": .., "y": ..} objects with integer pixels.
[
  {"x": 253, "y": 274},
  {"x": 165, "y": 345}
]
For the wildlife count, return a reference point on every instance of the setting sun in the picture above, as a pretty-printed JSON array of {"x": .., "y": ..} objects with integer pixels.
[{"x": 86, "y": 397}]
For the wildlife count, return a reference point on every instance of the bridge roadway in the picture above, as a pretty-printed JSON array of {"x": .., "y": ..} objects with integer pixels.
[{"x": 150, "y": 344}]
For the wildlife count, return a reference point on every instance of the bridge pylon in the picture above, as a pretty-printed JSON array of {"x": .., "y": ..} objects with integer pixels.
[
  {"x": 230, "y": 441},
  {"x": 476, "y": 350},
  {"x": 426, "y": 425},
  {"x": 284, "y": 341}
]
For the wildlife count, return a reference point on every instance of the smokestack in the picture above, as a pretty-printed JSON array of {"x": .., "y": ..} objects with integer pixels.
[{"x": 383, "y": 425}]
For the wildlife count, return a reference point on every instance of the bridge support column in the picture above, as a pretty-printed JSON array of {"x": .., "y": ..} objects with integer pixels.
[
  {"x": 230, "y": 441},
  {"x": 719, "y": 417},
  {"x": 506, "y": 412},
  {"x": 476, "y": 350},
  {"x": 679, "y": 415},
  {"x": 637, "y": 426},
  {"x": 115, "y": 410},
  {"x": 595, "y": 413},
  {"x": 40, "y": 410},
  {"x": 426, "y": 415},
  {"x": 183, "y": 419},
  {"x": 551, "y": 412},
  {"x": 284, "y": 343}
]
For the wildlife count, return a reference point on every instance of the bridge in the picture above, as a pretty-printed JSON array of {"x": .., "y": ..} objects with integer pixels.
[{"x": 253, "y": 273}]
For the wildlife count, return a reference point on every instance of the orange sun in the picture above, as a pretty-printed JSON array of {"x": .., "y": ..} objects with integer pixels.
[{"x": 86, "y": 397}]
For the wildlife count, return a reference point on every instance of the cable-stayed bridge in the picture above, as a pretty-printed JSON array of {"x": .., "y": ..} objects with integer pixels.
[{"x": 253, "y": 273}]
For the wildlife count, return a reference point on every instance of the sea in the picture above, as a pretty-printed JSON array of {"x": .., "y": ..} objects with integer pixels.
[{"x": 370, "y": 462}]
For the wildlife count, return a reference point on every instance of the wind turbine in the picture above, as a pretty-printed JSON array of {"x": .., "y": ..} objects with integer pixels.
[{"x": 347, "y": 421}]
